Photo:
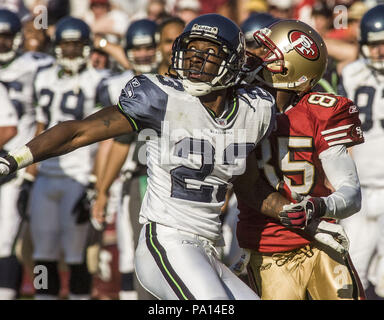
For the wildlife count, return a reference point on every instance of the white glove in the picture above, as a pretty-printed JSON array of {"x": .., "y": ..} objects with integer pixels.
[
  {"x": 329, "y": 234},
  {"x": 238, "y": 267}
]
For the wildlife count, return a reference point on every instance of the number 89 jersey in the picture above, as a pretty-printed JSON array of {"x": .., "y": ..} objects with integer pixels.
[
  {"x": 192, "y": 154},
  {"x": 61, "y": 97},
  {"x": 291, "y": 155}
]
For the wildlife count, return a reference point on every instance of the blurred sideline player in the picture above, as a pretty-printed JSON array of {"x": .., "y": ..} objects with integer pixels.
[
  {"x": 168, "y": 31},
  {"x": 307, "y": 147},
  {"x": 59, "y": 221},
  {"x": 17, "y": 75},
  {"x": 362, "y": 81},
  {"x": 143, "y": 56}
]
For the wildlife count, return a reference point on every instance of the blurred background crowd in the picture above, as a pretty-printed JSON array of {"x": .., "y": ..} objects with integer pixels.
[{"x": 337, "y": 21}]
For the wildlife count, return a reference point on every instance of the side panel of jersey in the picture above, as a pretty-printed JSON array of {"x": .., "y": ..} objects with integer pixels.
[
  {"x": 62, "y": 98},
  {"x": 8, "y": 114},
  {"x": 366, "y": 89},
  {"x": 192, "y": 155},
  {"x": 18, "y": 77},
  {"x": 291, "y": 155}
]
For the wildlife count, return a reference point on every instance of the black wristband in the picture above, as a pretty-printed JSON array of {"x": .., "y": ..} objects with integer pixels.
[{"x": 316, "y": 208}]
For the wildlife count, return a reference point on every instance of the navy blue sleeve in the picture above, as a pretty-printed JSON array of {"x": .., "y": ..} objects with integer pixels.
[{"x": 143, "y": 103}]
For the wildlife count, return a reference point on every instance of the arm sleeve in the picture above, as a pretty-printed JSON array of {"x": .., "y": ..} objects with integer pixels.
[
  {"x": 143, "y": 103},
  {"x": 341, "y": 172}
]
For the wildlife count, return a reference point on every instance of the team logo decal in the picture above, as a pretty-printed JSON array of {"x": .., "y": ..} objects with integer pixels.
[{"x": 304, "y": 44}]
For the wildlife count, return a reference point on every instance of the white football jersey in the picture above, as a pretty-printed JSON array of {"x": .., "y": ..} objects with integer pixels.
[
  {"x": 60, "y": 98},
  {"x": 366, "y": 89},
  {"x": 8, "y": 114},
  {"x": 18, "y": 77},
  {"x": 192, "y": 154}
]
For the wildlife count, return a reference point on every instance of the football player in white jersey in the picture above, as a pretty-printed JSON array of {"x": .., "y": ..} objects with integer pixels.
[
  {"x": 17, "y": 72},
  {"x": 202, "y": 127},
  {"x": 68, "y": 90},
  {"x": 362, "y": 81},
  {"x": 141, "y": 49}
]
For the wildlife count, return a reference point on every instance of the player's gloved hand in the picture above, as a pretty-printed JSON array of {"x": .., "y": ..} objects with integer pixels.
[
  {"x": 82, "y": 208},
  {"x": 299, "y": 215},
  {"x": 25, "y": 190},
  {"x": 238, "y": 267},
  {"x": 8, "y": 165},
  {"x": 329, "y": 234}
]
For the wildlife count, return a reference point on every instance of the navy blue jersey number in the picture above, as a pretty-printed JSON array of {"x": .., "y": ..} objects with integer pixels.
[
  {"x": 76, "y": 110},
  {"x": 366, "y": 109},
  {"x": 18, "y": 87},
  {"x": 179, "y": 175}
]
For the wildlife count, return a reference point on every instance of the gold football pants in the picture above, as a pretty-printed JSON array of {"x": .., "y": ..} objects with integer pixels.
[{"x": 311, "y": 272}]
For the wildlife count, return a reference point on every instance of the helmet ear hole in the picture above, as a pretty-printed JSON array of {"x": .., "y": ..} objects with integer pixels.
[{"x": 284, "y": 72}]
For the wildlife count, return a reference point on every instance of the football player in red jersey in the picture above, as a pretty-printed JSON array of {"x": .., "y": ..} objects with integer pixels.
[{"x": 306, "y": 160}]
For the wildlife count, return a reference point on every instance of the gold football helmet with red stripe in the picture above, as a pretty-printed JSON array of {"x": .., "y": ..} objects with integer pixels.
[{"x": 294, "y": 56}]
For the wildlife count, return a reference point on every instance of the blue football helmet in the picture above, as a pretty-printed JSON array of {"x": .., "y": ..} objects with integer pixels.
[
  {"x": 221, "y": 31},
  {"x": 142, "y": 33},
  {"x": 371, "y": 33},
  {"x": 72, "y": 29},
  {"x": 10, "y": 25},
  {"x": 255, "y": 22}
]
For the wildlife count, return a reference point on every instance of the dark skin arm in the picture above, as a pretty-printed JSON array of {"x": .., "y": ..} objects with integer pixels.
[
  {"x": 70, "y": 135},
  {"x": 256, "y": 193}
]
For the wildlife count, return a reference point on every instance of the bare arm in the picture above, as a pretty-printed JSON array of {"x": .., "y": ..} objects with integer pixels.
[
  {"x": 115, "y": 160},
  {"x": 115, "y": 51},
  {"x": 70, "y": 135},
  {"x": 100, "y": 162},
  {"x": 256, "y": 193},
  {"x": 7, "y": 133},
  {"x": 32, "y": 169}
]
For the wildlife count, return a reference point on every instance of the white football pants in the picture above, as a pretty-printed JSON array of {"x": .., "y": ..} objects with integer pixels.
[
  {"x": 173, "y": 264},
  {"x": 53, "y": 225}
]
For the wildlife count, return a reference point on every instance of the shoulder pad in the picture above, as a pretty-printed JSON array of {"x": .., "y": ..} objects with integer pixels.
[{"x": 143, "y": 103}]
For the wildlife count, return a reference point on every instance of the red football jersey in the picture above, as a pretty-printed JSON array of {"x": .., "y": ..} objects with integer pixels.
[{"x": 291, "y": 155}]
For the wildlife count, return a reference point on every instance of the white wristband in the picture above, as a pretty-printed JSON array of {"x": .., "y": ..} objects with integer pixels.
[{"x": 22, "y": 156}]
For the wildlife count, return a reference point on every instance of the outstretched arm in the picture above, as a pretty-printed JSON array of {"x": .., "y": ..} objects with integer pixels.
[{"x": 66, "y": 137}]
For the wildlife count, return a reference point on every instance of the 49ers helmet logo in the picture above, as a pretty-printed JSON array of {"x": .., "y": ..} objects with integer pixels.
[{"x": 304, "y": 44}]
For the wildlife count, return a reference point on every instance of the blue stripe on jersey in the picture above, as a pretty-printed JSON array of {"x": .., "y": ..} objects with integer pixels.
[{"x": 144, "y": 102}]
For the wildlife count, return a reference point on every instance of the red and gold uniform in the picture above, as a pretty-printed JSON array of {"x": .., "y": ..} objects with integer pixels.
[{"x": 291, "y": 155}]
